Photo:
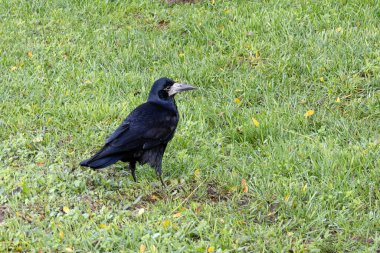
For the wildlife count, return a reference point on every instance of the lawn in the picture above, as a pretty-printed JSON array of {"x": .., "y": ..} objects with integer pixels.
[{"x": 277, "y": 151}]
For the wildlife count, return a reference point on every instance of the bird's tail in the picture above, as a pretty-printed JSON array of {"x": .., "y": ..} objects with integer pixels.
[{"x": 100, "y": 163}]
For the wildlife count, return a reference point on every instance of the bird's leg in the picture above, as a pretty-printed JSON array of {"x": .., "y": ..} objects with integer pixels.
[
  {"x": 162, "y": 181},
  {"x": 159, "y": 172},
  {"x": 132, "y": 167}
]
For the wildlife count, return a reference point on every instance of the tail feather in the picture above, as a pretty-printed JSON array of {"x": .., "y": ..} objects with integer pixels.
[{"x": 101, "y": 162}]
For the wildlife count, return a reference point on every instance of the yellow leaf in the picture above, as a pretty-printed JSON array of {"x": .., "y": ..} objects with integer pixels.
[
  {"x": 69, "y": 250},
  {"x": 61, "y": 235},
  {"x": 237, "y": 100},
  {"x": 304, "y": 188},
  {"x": 321, "y": 79},
  {"x": 286, "y": 198},
  {"x": 142, "y": 248},
  {"x": 212, "y": 2},
  {"x": 140, "y": 211},
  {"x": 244, "y": 185},
  {"x": 255, "y": 122},
  {"x": 166, "y": 223},
  {"x": 257, "y": 54},
  {"x": 339, "y": 29},
  {"x": 103, "y": 226},
  {"x": 30, "y": 54},
  {"x": 66, "y": 209},
  {"x": 13, "y": 68},
  {"x": 38, "y": 139},
  {"x": 337, "y": 100},
  {"x": 210, "y": 249},
  {"x": 18, "y": 248},
  {"x": 197, "y": 173},
  {"x": 309, "y": 113},
  {"x": 177, "y": 215}
]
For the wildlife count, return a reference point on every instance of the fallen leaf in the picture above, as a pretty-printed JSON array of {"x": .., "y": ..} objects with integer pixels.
[
  {"x": 255, "y": 122},
  {"x": 38, "y": 139},
  {"x": 61, "y": 235},
  {"x": 177, "y": 215},
  {"x": 30, "y": 54},
  {"x": 337, "y": 100},
  {"x": 40, "y": 164},
  {"x": 212, "y": 2},
  {"x": 142, "y": 248},
  {"x": 210, "y": 249},
  {"x": 197, "y": 173},
  {"x": 103, "y": 226},
  {"x": 286, "y": 198},
  {"x": 66, "y": 209},
  {"x": 339, "y": 29},
  {"x": 237, "y": 100},
  {"x": 69, "y": 250},
  {"x": 166, "y": 223},
  {"x": 153, "y": 197},
  {"x": 244, "y": 185},
  {"x": 309, "y": 113},
  {"x": 140, "y": 211},
  {"x": 322, "y": 79},
  {"x": 13, "y": 68},
  {"x": 257, "y": 54}
]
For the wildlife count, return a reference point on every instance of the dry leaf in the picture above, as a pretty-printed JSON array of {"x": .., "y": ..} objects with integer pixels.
[
  {"x": 197, "y": 173},
  {"x": 177, "y": 215},
  {"x": 210, "y": 249},
  {"x": 66, "y": 209},
  {"x": 166, "y": 223},
  {"x": 142, "y": 248},
  {"x": 337, "y": 100},
  {"x": 103, "y": 226},
  {"x": 237, "y": 100},
  {"x": 255, "y": 122},
  {"x": 40, "y": 164},
  {"x": 61, "y": 235},
  {"x": 244, "y": 185},
  {"x": 286, "y": 198},
  {"x": 30, "y": 54},
  {"x": 140, "y": 211},
  {"x": 309, "y": 113},
  {"x": 13, "y": 68},
  {"x": 257, "y": 54}
]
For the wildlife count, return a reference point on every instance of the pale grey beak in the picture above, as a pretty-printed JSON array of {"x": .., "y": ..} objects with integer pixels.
[{"x": 178, "y": 87}]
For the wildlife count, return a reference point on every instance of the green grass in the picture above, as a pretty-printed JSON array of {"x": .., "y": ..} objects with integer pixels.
[{"x": 313, "y": 183}]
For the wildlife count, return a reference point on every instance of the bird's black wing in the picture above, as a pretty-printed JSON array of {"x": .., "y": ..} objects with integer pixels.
[{"x": 149, "y": 125}]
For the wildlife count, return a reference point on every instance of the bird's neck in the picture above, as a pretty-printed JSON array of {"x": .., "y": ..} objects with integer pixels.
[{"x": 167, "y": 104}]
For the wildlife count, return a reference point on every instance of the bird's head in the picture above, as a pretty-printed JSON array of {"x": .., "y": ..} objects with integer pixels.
[{"x": 164, "y": 89}]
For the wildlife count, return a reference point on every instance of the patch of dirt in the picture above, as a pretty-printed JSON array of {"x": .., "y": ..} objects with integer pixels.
[
  {"x": 3, "y": 213},
  {"x": 216, "y": 195},
  {"x": 181, "y": 1},
  {"x": 163, "y": 24}
]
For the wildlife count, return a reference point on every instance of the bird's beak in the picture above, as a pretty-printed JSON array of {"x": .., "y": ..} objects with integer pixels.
[{"x": 178, "y": 87}]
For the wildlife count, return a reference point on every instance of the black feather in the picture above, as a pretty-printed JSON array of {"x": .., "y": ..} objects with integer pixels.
[{"x": 143, "y": 136}]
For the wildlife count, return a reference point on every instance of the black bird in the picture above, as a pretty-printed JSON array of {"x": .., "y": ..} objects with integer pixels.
[{"x": 142, "y": 137}]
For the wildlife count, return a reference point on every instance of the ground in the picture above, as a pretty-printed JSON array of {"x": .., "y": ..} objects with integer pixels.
[{"x": 277, "y": 151}]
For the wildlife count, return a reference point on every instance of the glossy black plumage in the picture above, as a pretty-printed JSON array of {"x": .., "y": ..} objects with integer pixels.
[{"x": 143, "y": 136}]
